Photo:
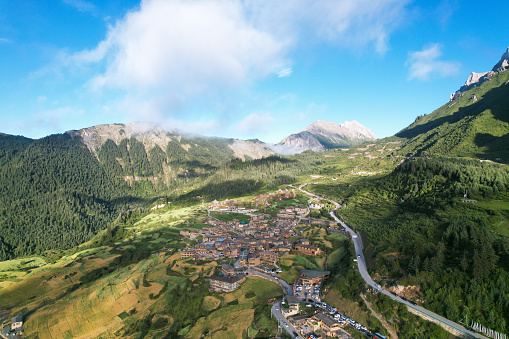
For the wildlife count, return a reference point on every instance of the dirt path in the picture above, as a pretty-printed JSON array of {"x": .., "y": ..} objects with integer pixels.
[{"x": 385, "y": 324}]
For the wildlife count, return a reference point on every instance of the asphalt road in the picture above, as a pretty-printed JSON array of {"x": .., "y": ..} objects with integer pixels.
[
  {"x": 276, "y": 312},
  {"x": 361, "y": 264},
  {"x": 276, "y": 308}
]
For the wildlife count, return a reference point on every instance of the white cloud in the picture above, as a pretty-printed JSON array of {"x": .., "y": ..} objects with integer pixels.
[
  {"x": 445, "y": 11},
  {"x": 285, "y": 72},
  {"x": 256, "y": 122},
  {"x": 5, "y": 41},
  {"x": 198, "y": 127},
  {"x": 81, "y": 5},
  {"x": 44, "y": 121},
  {"x": 425, "y": 63},
  {"x": 346, "y": 22},
  {"x": 185, "y": 48},
  {"x": 284, "y": 149},
  {"x": 165, "y": 55}
]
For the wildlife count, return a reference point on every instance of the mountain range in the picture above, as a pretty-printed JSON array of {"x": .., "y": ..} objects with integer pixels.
[
  {"x": 318, "y": 136},
  {"x": 72, "y": 185}
]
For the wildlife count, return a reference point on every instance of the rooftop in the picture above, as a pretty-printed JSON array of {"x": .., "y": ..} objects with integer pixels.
[
  {"x": 291, "y": 299},
  {"x": 326, "y": 319},
  {"x": 314, "y": 273},
  {"x": 229, "y": 280}
]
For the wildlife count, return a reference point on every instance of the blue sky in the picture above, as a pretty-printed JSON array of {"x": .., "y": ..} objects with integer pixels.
[{"x": 238, "y": 68}]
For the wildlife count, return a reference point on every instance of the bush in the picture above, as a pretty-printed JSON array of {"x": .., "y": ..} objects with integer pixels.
[{"x": 250, "y": 295}]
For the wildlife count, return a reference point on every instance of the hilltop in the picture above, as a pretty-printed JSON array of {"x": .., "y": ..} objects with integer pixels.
[
  {"x": 322, "y": 135},
  {"x": 475, "y": 123}
]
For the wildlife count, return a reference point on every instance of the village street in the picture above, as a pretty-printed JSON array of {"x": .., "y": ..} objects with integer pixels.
[{"x": 276, "y": 308}]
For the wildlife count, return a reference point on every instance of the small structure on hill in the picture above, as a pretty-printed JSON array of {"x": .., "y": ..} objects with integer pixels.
[
  {"x": 308, "y": 249},
  {"x": 226, "y": 284},
  {"x": 313, "y": 277}
]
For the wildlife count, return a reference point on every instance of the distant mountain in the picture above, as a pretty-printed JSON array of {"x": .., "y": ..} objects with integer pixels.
[
  {"x": 474, "y": 123},
  {"x": 322, "y": 135},
  {"x": 59, "y": 191},
  {"x": 152, "y": 136}
]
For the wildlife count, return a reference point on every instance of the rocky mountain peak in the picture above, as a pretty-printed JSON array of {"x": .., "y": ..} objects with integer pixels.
[
  {"x": 321, "y": 135},
  {"x": 475, "y": 79},
  {"x": 503, "y": 64}
]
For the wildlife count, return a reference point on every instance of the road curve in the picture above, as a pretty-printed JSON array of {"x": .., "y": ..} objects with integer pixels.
[
  {"x": 287, "y": 289},
  {"x": 357, "y": 241},
  {"x": 276, "y": 308}
]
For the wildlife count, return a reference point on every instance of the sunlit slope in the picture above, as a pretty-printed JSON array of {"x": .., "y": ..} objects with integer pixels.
[{"x": 475, "y": 124}]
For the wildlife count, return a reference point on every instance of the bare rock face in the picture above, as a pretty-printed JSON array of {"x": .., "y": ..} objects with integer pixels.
[
  {"x": 503, "y": 64},
  {"x": 151, "y": 135},
  {"x": 475, "y": 79},
  {"x": 148, "y": 133},
  {"x": 302, "y": 141},
  {"x": 255, "y": 150},
  {"x": 322, "y": 135}
]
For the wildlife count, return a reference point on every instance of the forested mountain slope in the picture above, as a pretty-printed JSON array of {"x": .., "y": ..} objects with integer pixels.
[
  {"x": 419, "y": 233},
  {"x": 59, "y": 191},
  {"x": 54, "y": 194}
]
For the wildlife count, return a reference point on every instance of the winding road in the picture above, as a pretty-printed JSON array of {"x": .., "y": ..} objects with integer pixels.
[
  {"x": 276, "y": 308},
  {"x": 367, "y": 278}
]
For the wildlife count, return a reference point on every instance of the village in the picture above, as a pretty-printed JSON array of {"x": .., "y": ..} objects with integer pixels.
[
  {"x": 255, "y": 248},
  {"x": 261, "y": 240}
]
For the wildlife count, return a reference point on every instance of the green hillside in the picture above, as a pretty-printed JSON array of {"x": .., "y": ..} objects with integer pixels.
[
  {"x": 55, "y": 194},
  {"x": 473, "y": 125}
]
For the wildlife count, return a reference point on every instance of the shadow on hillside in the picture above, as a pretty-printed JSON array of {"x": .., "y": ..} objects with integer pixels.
[
  {"x": 230, "y": 188},
  {"x": 496, "y": 100},
  {"x": 495, "y": 146}
]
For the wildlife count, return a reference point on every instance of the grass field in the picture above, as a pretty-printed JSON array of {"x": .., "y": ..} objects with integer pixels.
[
  {"x": 25, "y": 263},
  {"x": 210, "y": 303},
  {"x": 232, "y": 321},
  {"x": 500, "y": 210},
  {"x": 43, "y": 291},
  {"x": 502, "y": 227},
  {"x": 171, "y": 217}
]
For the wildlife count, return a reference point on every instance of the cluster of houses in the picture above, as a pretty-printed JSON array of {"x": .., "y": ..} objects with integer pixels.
[
  {"x": 326, "y": 320},
  {"x": 258, "y": 241},
  {"x": 264, "y": 200},
  {"x": 259, "y": 201}
]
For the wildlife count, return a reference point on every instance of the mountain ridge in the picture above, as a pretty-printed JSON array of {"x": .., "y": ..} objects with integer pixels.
[
  {"x": 322, "y": 135},
  {"x": 151, "y": 135},
  {"x": 474, "y": 124},
  {"x": 475, "y": 79}
]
